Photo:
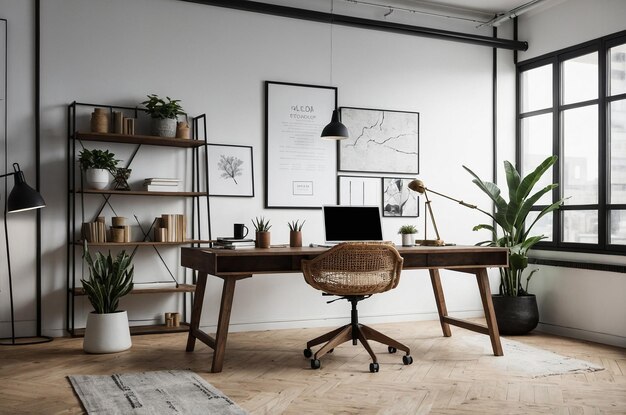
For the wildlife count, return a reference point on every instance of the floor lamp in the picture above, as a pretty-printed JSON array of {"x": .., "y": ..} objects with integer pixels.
[{"x": 22, "y": 197}]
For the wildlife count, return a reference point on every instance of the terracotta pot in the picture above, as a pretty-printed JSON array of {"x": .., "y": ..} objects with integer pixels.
[
  {"x": 263, "y": 239},
  {"x": 295, "y": 239}
]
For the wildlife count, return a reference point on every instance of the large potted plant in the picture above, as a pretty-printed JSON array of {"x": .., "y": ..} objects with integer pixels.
[
  {"x": 98, "y": 166},
  {"x": 515, "y": 308},
  {"x": 107, "y": 329},
  {"x": 164, "y": 114}
]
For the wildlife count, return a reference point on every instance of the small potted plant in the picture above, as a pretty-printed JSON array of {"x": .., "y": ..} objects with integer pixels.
[
  {"x": 262, "y": 228},
  {"x": 295, "y": 233},
  {"x": 98, "y": 166},
  {"x": 408, "y": 234},
  {"x": 164, "y": 114},
  {"x": 110, "y": 279}
]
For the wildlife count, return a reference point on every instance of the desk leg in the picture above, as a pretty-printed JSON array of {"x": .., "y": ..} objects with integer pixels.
[
  {"x": 196, "y": 311},
  {"x": 228, "y": 292},
  {"x": 490, "y": 315},
  {"x": 440, "y": 300}
]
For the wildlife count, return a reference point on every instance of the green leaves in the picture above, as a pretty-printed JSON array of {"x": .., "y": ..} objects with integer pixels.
[
  {"x": 98, "y": 159},
  {"x": 159, "y": 108},
  {"x": 294, "y": 225},
  {"x": 261, "y": 224}
]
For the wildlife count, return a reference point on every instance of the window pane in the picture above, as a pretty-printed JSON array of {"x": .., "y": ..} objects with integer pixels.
[
  {"x": 543, "y": 227},
  {"x": 580, "y": 78},
  {"x": 618, "y": 227},
  {"x": 536, "y": 88},
  {"x": 536, "y": 146},
  {"x": 617, "y": 70},
  {"x": 617, "y": 148},
  {"x": 580, "y": 226},
  {"x": 580, "y": 155}
]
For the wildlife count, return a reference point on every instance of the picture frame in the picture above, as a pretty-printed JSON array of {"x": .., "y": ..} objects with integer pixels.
[
  {"x": 300, "y": 167},
  {"x": 231, "y": 170},
  {"x": 398, "y": 200},
  {"x": 359, "y": 190},
  {"x": 380, "y": 141}
]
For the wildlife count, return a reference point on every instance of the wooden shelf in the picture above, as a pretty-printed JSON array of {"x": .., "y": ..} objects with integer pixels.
[
  {"x": 149, "y": 329},
  {"x": 147, "y": 243},
  {"x": 182, "y": 288},
  {"x": 139, "y": 139},
  {"x": 139, "y": 193}
]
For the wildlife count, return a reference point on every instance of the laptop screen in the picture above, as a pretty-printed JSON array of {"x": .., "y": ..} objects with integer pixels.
[{"x": 352, "y": 223}]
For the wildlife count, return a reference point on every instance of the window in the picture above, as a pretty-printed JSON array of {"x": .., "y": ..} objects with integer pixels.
[{"x": 572, "y": 103}]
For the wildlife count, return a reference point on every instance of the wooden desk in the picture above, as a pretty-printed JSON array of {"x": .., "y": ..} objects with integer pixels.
[{"x": 233, "y": 265}]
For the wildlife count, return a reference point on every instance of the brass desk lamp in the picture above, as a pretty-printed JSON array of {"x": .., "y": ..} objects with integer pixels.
[{"x": 419, "y": 187}]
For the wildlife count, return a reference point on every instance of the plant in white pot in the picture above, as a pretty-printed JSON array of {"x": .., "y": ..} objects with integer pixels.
[
  {"x": 110, "y": 279},
  {"x": 98, "y": 166},
  {"x": 516, "y": 309},
  {"x": 164, "y": 114},
  {"x": 408, "y": 233}
]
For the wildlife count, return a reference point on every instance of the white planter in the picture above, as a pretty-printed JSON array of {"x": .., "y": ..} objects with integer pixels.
[
  {"x": 97, "y": 178},
  {"x": 107, "y": 333},
  {"x": 408, "y": 239}
]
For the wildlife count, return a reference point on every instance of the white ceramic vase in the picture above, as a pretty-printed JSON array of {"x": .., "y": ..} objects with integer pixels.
[
  {"x": 107, "y": 333},
  {"x": 408, "y": 239},
  {"x": 97, "y": 178}
]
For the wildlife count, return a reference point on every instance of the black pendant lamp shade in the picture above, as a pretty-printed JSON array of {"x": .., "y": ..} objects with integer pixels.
[
  {"x": 335, "y": 130},
  {"x": 23, "y": 197}
]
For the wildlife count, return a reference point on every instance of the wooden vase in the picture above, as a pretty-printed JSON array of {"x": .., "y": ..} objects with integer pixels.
[
  {"x": 99, "y": 121},
  {"x": 295, "y": 239},
  {"x": 263, "y": 239}
]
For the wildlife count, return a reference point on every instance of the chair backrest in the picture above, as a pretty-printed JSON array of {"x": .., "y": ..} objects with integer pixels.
[{"x": 355, "y": 268}]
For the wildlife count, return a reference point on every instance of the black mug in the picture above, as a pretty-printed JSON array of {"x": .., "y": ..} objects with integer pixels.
[{"x": 239, "y": 229}]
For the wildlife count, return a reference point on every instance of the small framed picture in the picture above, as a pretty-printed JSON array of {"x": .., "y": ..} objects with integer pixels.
[
  {"x": 398, "y": 199},
  {"x": 359, "y": 191},
  {"x": 231, "y": 172}
]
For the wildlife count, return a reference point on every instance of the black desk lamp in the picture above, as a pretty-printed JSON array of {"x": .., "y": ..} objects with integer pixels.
[{"x": 22, "y": 197}]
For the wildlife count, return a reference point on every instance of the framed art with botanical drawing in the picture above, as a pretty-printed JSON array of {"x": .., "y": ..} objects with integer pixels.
[{"x": 231, "y": 171}]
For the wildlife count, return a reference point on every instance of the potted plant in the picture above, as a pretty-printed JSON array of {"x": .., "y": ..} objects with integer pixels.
[
  {"x": 262, "y": 228},
  {"x": 164, "y": 114},
  {"x": 98, "y": 165},
  {"x": 295, "y": 233},
  {"x": 515, "y": 308},
  {"x": 110, "y": 279},
  {"x": 408, "y": 234}
]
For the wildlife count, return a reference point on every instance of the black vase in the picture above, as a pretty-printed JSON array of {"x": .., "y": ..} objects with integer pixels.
[{"x": 516, "y": 315}]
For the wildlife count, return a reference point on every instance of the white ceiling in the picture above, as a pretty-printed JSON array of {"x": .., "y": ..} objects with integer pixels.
[{"x": 490, "y": 7}]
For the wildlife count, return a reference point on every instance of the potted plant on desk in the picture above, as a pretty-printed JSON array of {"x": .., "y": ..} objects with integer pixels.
[
  {"x": 262, "y": 228},
  {"x": 515, "y": 308},
  {"x": 295, "y": 233},
  {"x": 408, "y": 233}
]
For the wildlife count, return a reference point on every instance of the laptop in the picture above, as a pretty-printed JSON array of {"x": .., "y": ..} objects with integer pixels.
[{"x": 351, "y": 223}]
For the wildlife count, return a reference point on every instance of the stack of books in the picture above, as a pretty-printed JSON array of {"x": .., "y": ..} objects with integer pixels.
[
  {"x": 232, "y": 243},
  {"x": 95, "y": 232},
  {"x": 161, "y": 184},
  {"x": 170, "y": 228}
]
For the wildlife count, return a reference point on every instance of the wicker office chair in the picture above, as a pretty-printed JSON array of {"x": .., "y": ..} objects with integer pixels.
[{"x": 354, "y": 271}]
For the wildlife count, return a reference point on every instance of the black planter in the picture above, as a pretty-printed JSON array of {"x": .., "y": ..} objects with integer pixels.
[{"x": 516, "y": 315}]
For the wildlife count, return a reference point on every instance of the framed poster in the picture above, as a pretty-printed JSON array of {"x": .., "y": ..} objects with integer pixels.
[
  {"x": 359, "y": 191},
  {"x": 398, "y": 199},
  {"x": 300, "y": 167},
  {"x": 231, "y": 172},
  {"x": 380, "y": 141}
]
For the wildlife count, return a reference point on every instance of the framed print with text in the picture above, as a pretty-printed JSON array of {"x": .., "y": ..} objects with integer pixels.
[
  {"x": 398, "y": 199},
  {"x": 359, "y": 191},
  {"x": 380, "y": 141},
  {"x": 231, "y": 172},
  {"x": 300, "y": 167}
]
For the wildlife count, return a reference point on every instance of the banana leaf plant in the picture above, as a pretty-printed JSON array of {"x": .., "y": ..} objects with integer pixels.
[
  {"x": 109, "y": 279},
  {"x": 511, "y": 216}
]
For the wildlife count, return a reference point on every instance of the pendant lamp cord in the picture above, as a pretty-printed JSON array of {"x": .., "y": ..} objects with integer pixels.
[{"x": 332, "y": 8}]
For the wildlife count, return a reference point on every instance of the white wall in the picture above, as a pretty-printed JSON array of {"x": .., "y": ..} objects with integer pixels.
[{"x": 576, "y": 302}]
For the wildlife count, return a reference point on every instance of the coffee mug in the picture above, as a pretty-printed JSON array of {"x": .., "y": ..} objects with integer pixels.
[{"x": 239, "y": 229}]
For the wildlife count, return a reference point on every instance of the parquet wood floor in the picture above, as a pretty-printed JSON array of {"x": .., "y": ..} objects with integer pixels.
[{"x": 265, "y": 373}]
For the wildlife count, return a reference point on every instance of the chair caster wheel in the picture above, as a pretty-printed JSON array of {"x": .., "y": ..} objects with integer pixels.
[
  {"x": 407, "y": 360},
  {"x": 307, "y": 353},
  {"x": 374, "y": 367},
  {"x": 315, "y": 364},
  {"x": 392, "y": 349}
]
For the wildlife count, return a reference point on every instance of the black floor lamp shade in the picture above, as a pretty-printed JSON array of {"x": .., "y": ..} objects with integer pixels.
[{"x": 23, "y": 197}]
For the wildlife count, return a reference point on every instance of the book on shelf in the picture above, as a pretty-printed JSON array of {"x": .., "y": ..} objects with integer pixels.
[
  {"x": 162, "y": 180},
  {"x": 170, "y": 228},
  {"x": 161, "y": 188}
]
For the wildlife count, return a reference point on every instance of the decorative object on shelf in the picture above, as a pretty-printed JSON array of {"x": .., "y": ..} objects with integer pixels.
[
  {"x": 120, "y": 231},
  {"x": 262, "y": 228},
  {"x": 98, "y": 165},
  {"x": 398, "y": 200},
  {"x": 359, "y": 191},
  {"x": 109, "y": 280},
  {"x": 516, "y": 309},
  {"x": 295, "y": 233},
  {"x": 120, "y": 178},
  {"x": 123, "y": 125},
  {"x": 380, "y": 141},
  {"x": 182, "y": 130},
  {"x": 170, "y": 228},
  {"x": 156, "y": 184},
  {"x": 231, "y": 172},
  {"x": 95, "y": 232},
  {"x": 172, "y": 319},
  {"x": 22, "y": 198},
  {"x": 100, "y": 120},
  {"x": 164, "y": 114},
  {"x": 408, "y": 234}
]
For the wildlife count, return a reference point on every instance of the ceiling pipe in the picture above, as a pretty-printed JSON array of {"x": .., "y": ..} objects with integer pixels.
[
  {"x": 512, "y": 14},
  {"x": 322, "y": 17}
]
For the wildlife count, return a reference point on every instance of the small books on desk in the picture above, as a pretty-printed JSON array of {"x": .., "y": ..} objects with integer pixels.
[{"x": 232, "y": 243}]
